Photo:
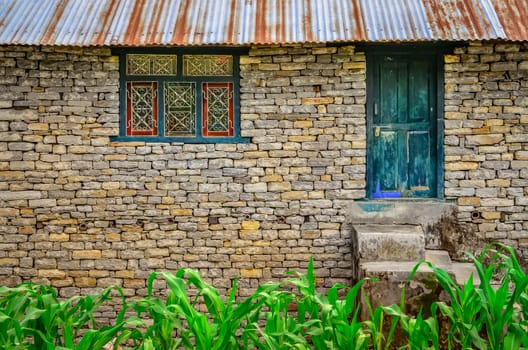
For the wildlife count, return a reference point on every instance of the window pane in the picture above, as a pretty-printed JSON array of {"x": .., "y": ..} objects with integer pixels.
[
  {"x": 180, "y": 109},
  {"x": 218, "y": 109},
  {"x": 142, "y": 110},
  {"x": 194, "y": 65},
  {"x": 151, "y": 64}
]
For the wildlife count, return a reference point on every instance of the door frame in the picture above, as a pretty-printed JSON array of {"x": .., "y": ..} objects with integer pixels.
[{"x": 436, "y": 53}]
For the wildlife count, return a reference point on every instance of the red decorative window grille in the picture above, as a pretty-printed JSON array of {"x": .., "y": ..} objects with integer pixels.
[
  {"x": 218, "y": 114},
  {"x": 142, "y": 109}
]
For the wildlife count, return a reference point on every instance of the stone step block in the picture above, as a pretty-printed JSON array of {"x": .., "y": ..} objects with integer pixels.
[
  {"x": 385, "y": 280},
  {"x": 389, "y": 242},
  {"x": 439, "y": 258}
]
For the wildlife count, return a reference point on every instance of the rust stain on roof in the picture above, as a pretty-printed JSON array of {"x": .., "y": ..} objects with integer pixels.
[
  {"x": 180, "y": 33},
  {"x": 51, "y": 28},
  {"x": 360, "y": 30},
  {"x": 108, "y": 14},
  {"x": 246, "y": 22},
  {"x": 513, "y": 15}
]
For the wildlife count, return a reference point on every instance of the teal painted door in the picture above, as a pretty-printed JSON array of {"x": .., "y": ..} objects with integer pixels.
[{"x": 402, "y": 129}]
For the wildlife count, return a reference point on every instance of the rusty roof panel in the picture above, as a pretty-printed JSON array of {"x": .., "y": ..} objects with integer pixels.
[
  {"x": 245, "y": 22},
  {"x": 463, "y": 20},
  {"x": 395, "y": 20},
  {"x": 513, "y": 15}
]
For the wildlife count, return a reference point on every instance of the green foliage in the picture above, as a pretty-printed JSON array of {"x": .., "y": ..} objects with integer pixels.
[
  {"x": 287, "y": 315},
  {"x": 31, "y": 317}
]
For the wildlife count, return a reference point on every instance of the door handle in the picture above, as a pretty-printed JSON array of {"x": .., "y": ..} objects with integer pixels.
[
  {"x": 377, "y": 131},
  {"x": 375, "y": 108}
]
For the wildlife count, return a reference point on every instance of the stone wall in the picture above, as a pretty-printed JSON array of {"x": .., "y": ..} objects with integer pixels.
[
  {"x": 486, "y": 139},
  {"x": 81, "y": 212}
]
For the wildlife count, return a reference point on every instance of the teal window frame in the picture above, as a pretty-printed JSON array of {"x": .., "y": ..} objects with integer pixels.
[{"x": 199, "y": 136}]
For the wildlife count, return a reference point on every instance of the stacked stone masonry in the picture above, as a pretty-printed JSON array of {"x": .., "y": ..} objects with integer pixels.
[
  {"x": 82, "y": 212},
  {"x": 486, "y": 139}
]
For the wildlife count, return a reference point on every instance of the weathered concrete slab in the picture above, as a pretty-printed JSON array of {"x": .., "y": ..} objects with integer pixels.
[
  {"x": 411, "y": 212},
  {"x": 439, "y": 258},
  {"x": 390, "y": 242},
  {"x": 392, "y": 276}
]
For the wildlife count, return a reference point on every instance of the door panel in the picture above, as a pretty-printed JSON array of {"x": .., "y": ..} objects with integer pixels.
[{"x": 402, "y": 127}]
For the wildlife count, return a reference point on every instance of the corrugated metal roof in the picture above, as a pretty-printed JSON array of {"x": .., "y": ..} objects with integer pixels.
[{"x": 243, "y": 22}]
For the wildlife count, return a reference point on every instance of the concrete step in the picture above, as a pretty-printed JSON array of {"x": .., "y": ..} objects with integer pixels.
[
  {"x": 389, "y": 242},
  {"x": 392, "y": 276},
  {"x": 440, "y": 258}
]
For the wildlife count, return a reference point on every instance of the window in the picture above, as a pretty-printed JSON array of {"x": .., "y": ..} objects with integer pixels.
[{"x": 183, "y": 96}]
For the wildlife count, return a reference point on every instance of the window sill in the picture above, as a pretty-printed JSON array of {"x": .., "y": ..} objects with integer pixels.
[{"x": 208, "y": 140}]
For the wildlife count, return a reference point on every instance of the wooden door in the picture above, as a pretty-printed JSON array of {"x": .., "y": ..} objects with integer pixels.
[{"x": 402, "y": 133}]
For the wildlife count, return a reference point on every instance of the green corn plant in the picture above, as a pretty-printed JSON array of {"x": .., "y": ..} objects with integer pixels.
[
  {"x": 462, "y": 311},
  {"x": 375, "y": 325},
  {"x": 422, "y": 334},
  {"x": 34, "y": 318},
  {"x": 503, "y": 320},
  {"x": 177, "y": 321},
  {"x": 330, "y": 322}
]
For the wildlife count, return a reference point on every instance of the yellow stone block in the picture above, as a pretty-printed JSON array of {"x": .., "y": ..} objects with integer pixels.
[
  {"x": 494, "y": 122},
  {"x": 26, "y": 230},
  {"x": 85, "y": 282},
  {"x": 61, "y": 222},
  {"x": 474, "y": 201},
  {"x": 271, "y": 178},
  {"x": 59, "y": 237},
  {"x": 303, "y": 124},
  {"x": 26, "y": 211},
  {"x": 132, "y": 229},
  {"x": 250, "y": 225},
  {"x": 451, "y": 58},
  {"x": 251, "y": 273},
  {"x": 8, "y": 212},
  {"x": 168, "y": 200},
  {"x": 316, "y": 100},
  {"x": 97, "y": 273},
  {"x": 461, "y": 166},
  {"x": 38, "y": 126},
  {"x": 499, "y": 183},
  {"x": 115, "y": 157},
  {"x": 455, "y": 115},
  {"x": 134, "y": 283},
  {"x": 125, "y": 274},
  {"x": 249, "y": 60},
  {"x": 86, "y": 254},
  {"x": 62, "y": 282},
  {"x": 504, "y": 129},
  {"x": 354, "y": 65},
  {"x": 491, "y": 215},
  {"x": 294, "y": 195},
  {"x": 112, "y": 237},
  {"x": 249, "y": 234},
  {"x": 181, "y": 212},
  {"x": 51, "y": 273},
  {"x": 316, "y": 195},
  {"x": 301, "y": 138},
  {"x": 359, "y": 144},
  {"x": 483, "y": 130},
  {"x": 121, "y": 193},
  {"x": 8, "y": 262}
]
